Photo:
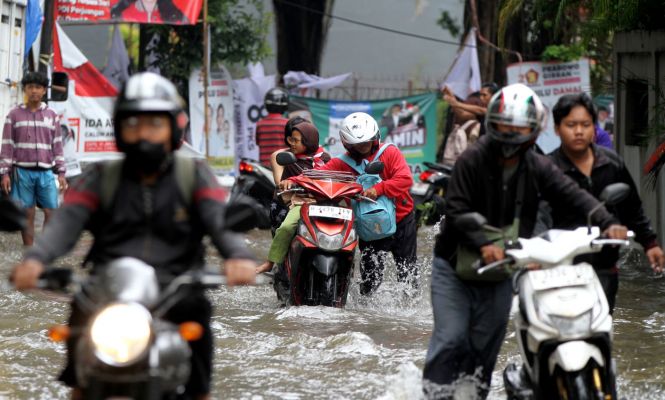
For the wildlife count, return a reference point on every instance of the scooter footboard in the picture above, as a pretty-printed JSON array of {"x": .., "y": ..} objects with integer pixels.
[{"x": 574, "y": 356}]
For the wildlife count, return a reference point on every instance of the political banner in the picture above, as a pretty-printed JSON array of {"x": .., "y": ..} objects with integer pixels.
[
  {"x": 176, "y": 12},
  {"x": 221, "y": 124},
  {"x": 408, "y": 122},
  {"x": 551, "y": 80},
  {"x": 248, "y": 95}
]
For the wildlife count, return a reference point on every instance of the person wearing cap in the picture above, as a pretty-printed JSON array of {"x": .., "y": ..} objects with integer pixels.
[{"x": 31, "y": 153}]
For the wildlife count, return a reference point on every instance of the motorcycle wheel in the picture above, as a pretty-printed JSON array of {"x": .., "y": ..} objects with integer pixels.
[{"x": 586, "y": 384}]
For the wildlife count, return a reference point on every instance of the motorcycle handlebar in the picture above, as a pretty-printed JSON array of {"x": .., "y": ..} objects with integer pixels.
[
  {"x": 481, "y": 269},
  {"x": 292, "y": 190}
]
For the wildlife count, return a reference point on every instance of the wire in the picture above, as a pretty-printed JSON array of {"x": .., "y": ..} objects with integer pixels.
[{"x": 367, "y": 25}]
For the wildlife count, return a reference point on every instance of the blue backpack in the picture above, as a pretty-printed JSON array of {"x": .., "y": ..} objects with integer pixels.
[{"x": 374, "y": 221}]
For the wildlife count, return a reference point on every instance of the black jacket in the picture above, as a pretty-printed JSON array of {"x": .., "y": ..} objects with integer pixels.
[
  {"x": 150, "y": 222},
  {"x": 607, "y": 168},
  {"x": 477, "y": 185}
]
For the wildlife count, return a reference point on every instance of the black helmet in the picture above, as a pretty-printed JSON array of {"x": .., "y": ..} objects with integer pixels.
[
  {"x": 36, "y": 78},
  {"x": 148, "y": 92},
  {"x": 519, "y": 106},
  {"x": 276, "y": 100}
]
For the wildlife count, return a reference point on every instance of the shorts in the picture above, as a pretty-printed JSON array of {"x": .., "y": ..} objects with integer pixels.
[{"x": 32, "y": 187}]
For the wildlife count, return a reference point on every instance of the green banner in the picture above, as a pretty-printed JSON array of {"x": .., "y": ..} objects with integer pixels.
[{"x": 408, "y": 122}]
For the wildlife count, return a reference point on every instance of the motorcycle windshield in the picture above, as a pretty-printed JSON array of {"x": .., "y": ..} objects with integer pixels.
[{"x": 125, "y": 280}]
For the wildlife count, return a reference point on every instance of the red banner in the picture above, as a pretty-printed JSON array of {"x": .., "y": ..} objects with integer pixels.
[{"x": 142, "y": 11}]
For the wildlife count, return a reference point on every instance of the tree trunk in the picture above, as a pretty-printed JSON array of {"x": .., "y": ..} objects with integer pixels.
[{"x": 301, "y": 34}]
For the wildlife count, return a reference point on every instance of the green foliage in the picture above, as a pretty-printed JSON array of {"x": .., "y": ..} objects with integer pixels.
[
  {"x": 562, "y": 52},
  {"x": 449, "y": 24},
  {"x": 238, "y": 30}
]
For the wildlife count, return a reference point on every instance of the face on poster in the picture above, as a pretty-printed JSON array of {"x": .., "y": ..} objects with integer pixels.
[{"x": 142, "y": 11}]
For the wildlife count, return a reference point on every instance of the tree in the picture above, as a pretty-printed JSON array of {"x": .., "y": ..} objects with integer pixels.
[
  {"x": 238, "y": 30},
  {"x": 302, "y": 27}
]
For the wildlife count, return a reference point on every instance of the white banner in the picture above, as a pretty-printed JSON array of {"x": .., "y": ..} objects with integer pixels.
[
  {"x": 248, "y": 97},
  {"x": 463, "y": 78},
  {"x": 550, "y": 81},
  {"x": 221, "y": 124}
]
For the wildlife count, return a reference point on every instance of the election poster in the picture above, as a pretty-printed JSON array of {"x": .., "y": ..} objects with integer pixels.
[
  {"x": 175, "y": 12},
  {"x": 408, "y": 122},
  {"x": 551, "y": 80},
  {"x": 220, "y": 143}
]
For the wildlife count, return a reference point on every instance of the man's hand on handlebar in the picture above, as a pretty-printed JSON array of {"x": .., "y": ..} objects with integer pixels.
[
  {"x": 370, "y": 193},
  {"x": 285, "y": 185},
  {"x": 492, "y": 253},
  {"x": 25, "y": 275},
  {"x": 616, "y": 231}
]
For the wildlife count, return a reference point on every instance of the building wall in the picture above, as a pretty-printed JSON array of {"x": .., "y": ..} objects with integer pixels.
[{"x": 639, "y": 75}]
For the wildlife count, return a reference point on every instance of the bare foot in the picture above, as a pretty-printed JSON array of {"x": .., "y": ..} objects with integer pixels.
[{"x": 265, "y": 267}]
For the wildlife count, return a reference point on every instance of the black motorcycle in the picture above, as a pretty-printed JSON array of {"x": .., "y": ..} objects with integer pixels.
[
  {"x": 256, "y": 181},
  {"x": 428, "y": 194}
]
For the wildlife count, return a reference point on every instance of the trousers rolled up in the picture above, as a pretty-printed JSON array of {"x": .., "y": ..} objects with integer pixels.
[
  {"x": 470, "y": 320},
  {"x": 283, "y": 236},
  {"x": 403, "y": 247}
]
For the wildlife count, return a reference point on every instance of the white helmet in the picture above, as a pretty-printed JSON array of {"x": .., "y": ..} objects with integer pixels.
[{"x": 358, "y": 127}]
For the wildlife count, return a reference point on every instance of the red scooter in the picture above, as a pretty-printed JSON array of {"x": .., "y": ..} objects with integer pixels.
[{"x": 318, "y": 267}]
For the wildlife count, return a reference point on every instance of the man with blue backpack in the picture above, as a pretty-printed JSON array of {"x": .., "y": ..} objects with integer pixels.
[{"x": 389, "y": 224}]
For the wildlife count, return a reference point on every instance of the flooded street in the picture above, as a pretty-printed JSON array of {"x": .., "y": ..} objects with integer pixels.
[{"x": 370, "y": 350}]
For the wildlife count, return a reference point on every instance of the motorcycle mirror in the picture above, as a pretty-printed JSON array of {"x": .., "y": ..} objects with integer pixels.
[
  {"x": 12, "y": 217},
  {"x": 375, "y": 167},
  {"x": 470, "y": 222},
  {"x": 59, "y": 86},
  {"x": 615, "y": 193},
  {"x": 286, "y": 158},
  {"x": 612, "y": 195},
  {"x": 243, "y": 213}
]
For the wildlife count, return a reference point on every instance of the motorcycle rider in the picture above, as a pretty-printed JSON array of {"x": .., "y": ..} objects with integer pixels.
[
  {"x": 360, "y": 135},
  {"x": 304, "y": 143},
  {"x": 502, "y": 178},
  {"x": 270, "y": 130},
  {"x": 148, "y": 218},
  {"x": 594, "y": 167}
]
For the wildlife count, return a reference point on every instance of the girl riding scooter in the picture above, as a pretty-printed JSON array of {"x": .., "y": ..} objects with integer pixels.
[{"x": 303, "y": 141}]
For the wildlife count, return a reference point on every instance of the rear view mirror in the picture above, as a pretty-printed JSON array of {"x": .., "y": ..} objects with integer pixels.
[
  {"x": 59, "y": 86},
  {"x": 375, "y": 167},
  {"x": 615, "y": 193},
  {"x": 470, "y": 222},
  {"x": 286, "y": 158}
]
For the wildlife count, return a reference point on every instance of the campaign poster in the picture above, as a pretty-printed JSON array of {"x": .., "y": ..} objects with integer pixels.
[
  {"x": 551, "y": 80},
  {"x": 175, "y": 12},
  {"x": 248, "y": 95},
  {"x": 408, "y": 122},
  {"x": 220, "y": 143}
]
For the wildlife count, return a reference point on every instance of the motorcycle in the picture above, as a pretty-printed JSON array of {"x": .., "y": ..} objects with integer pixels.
[
  {"x": 127, "y": 349},
  {"x": 563, "y": 327},
  {"x": 428, "y": 194},
  {"x": 256, "y": 181},
  {"x": 319, "y": 264}
]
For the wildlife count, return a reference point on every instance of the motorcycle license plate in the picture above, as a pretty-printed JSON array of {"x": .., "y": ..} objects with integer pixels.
[
  {"x": 567, "y": 275},
  {"x": 419, "y": 188},
  {"x": 331, "y": 212}
]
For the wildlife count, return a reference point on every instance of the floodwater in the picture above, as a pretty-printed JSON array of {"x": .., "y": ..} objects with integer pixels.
[{"x": 371, "y": 350}]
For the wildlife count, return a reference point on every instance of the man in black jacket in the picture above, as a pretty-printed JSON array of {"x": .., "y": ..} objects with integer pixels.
[
  {"x": 501, "y": 178},
  {"x": 147, "y": 216},
  {"x": 593, "y": 168}
]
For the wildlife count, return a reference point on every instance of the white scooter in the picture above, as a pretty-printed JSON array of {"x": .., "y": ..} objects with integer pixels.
[{"x": 563, "y": 327}]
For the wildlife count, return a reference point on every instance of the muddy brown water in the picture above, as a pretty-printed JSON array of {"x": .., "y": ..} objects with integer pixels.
[{"x": 370, "y": 350}]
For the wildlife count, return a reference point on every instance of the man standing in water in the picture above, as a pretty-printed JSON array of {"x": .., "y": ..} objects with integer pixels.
[
  {"x": 501, "y": 178},
  {"x": 31, "y": 152}
]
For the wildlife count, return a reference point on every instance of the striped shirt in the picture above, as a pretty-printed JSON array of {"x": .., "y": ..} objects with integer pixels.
[
  {"x": 32, "y": 140},
  {"x": 270, "y": 136}
]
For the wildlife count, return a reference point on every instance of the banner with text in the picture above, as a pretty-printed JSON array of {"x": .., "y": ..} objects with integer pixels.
[
  {"x": 176, "y": 12},
  {"x": 408, "y": 122},
  {"x": 221, "y": 124},
  {"x": 248, "y": 97},
  {"x": 551, "y": 80}
]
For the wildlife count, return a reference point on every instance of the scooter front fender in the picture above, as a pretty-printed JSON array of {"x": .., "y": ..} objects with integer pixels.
[
  {"x": 574, "y": 356},
  {"x": 325, "y": 264}
]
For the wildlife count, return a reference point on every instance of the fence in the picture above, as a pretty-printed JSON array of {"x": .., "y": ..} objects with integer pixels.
[{"x": 378, "y": 87}]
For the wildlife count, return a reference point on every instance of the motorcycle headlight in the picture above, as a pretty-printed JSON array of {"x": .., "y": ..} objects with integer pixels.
[
  {"x": 576, "y": 326},
  {"x": 328, "y": 242},
  {"x": 120, "y": 333}
]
